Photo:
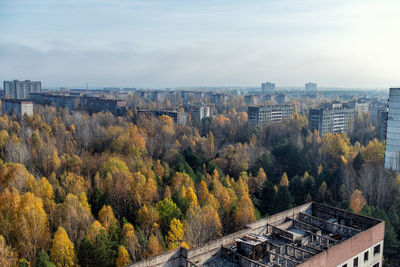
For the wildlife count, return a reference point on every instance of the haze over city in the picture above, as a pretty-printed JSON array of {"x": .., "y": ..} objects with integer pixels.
[{"x": 348, "y": 44}]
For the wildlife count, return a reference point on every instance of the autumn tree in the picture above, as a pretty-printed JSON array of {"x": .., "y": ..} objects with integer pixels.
[
  {"x": 284, "y": 180},
  {"x": 8, "y": 257},
  {"x": 106, "y": 217},
  {"x": 175, "y": 235},
  {"x": 33, "y": 232},
  {"x": 202, "y": 225},
  {"x": 244, "y": 213},
  {"x": 74, "y": 218},
  {"x": 131, "y": 241},
  {"x": 123, "y": 257},
  {"x": 167, "y": 210},
  {"x": 357, "y": 201},
  {"x": 62, "y": 251},
  {"x": 153, "y": 246}
]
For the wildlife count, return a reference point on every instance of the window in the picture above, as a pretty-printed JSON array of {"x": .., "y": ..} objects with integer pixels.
[
  {"x": 345, "y": 265},
  {"x": 355, "y": 262},
  {"x": 377, "y": 249},
  {"x": 376, "y": 265},
  {"x": 366, "y": 254}
]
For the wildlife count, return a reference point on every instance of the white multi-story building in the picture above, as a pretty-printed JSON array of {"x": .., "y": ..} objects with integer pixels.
[
  {"x": 392, "y": 154},
  {"x": 332, "y": 118}
]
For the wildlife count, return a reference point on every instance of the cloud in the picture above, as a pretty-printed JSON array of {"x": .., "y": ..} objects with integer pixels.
[{"x": 208, "y": 64}]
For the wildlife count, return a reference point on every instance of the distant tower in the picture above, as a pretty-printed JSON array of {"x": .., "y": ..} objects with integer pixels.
[
  {"x": 311, "y": 86},
  {"x": 392, "y": 153},
  {"x": 87, "y": 86},
  {"x": 267, "y": 87}
]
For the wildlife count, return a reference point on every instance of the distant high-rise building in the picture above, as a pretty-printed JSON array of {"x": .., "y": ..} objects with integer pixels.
[
  {"x": 261, "y": 116},
  {"x": 332, "y": 118},
  {"x": 311, "y": 86},
  {"x": 392, "y": 153},
  {"x": 21, "y": 89},
  {"x": 268, "y": 87}
]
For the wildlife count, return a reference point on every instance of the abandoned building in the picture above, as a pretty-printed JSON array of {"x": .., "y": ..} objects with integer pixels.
[{"x": 309, "y": 235}]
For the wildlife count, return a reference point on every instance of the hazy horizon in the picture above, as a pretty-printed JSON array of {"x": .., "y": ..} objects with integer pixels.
[{"x": 169, "y": 44}]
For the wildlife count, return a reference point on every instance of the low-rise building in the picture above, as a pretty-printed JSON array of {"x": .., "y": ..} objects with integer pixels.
[{"x": 17, "y": 107}]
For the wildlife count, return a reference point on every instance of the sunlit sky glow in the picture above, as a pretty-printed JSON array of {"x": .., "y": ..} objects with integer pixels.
[{"x": 171, "y": 43}]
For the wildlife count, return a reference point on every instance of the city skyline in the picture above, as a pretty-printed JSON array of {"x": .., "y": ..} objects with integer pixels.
[{"x": 157, "y": 44}]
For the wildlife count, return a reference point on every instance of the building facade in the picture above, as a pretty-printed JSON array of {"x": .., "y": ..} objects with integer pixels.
[
  {"x": 332, "y": 118},
  {"x": 392, "y": 153},
  {"x": 21, "y": 89},
  {"x": 198, "y": 112},
  {"x": 17, "y": 107},
  {"x": 268, "y": 87},
  {"x": 261, "y": 116},
  {"x": 310, "y": 235},
  {"x": 310, "y": 86},
  {"x": 179, "y": 117}
]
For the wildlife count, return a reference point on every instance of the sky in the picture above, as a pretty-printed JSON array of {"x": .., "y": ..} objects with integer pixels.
[{"x": 179, "y": 43}]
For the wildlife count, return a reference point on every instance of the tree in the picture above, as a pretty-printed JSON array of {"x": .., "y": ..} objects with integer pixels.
[
  {"x": 296, "y": 189},
  {"x": 131, "y": 241},
  {"x": 106, "y": 217},
  {"x": 167, "y": 210},
  {"x": 8, "y": 257},
  {"x": 94, "y": 230},
  {"x": 244, "y": 213},
  {"x": 32, "y": 226},
  {"x": 201, "y": 225},
  {"x": 283, "y": 199},
  {"x": 62, "y": 251},
  {"x": 74, "y": 218},
  {"x": 267, "y": 198},
  {"x": 123, "y": 257},
  {"x": 148, "y": 217},
  {"x": 153, "y": 247},
  {"x": 357, "y": 201},
  {"x": 175, "y": 234},
  {"x": 43, "y": 260},
  {"x": 284, "y": 180}
]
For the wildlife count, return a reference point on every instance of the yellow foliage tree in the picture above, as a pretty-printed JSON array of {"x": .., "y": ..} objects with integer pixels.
[
  {"x": 357, "y": 201},
  {"x": 62, "y": 252},
  {"x": 32, "y": 225},
  {"x": 191, "y": 197},
  {"x": 8, "y": 257},
  {"x": 175, "y": 235},
  {"x": 94, "y": 230},
  {"x": 244, "y": 213},
  {"x": 131, "y": 241},
  {"x": 123, "y": 257},
  {"x": 153, "y": 247},
  {"x": 106, "y": 217},
  {"x": 284, "y": 180}
]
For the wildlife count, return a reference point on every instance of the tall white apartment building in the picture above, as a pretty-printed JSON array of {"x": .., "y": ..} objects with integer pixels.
[{"x": 392, "y": 153}]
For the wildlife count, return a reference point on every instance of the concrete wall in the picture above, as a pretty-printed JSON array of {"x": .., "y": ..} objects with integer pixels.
[
  {"x": 347, "y": 249},
  {"x": 174, "y": 258}
]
